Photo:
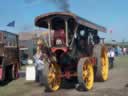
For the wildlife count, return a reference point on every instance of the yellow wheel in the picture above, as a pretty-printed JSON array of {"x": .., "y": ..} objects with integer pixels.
[
  {"x": 85, "y": 74},
  {"x": 105, "y": 64},
  {"x": 51, "y": 76},
  {"x": 102, "y": 65}
]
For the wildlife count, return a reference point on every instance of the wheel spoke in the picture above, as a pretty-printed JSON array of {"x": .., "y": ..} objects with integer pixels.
[
  {"x": 53, "y": 77},
  {"x": 104, "y": 63},
  {"x": 84, "y": 72},
  {"x": 87, "y": 76}
]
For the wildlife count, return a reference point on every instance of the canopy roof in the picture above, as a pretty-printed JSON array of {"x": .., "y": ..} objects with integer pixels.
[{"x": 41, "y": 21}]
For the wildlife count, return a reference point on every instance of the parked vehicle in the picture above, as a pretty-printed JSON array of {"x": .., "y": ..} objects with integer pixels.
[
  {"x": 9, "y": 56},
  {"x": 76, "y": 46},
  {"x": 24, "y": 56}
]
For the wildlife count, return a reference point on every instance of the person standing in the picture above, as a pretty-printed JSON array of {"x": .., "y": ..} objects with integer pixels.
[
  {"x": 111, "y": 55},
  {"x": 124, "y": 51},
  {"x": 38, "y": 58}
]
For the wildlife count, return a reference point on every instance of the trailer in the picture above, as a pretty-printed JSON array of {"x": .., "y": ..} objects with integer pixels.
[{"x": 9, "y": 56}]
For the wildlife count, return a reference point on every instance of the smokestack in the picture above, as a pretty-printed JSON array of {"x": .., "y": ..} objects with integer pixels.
[{"x": 63, "y": 5}]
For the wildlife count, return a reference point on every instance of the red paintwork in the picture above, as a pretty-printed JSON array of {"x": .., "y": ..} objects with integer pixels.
[
  {"x": 1, "y": 73},
  {"x": 68, "y": 74},
  {"x": 92, "y": 60},
  {"x": 54, "y": 49},
  {"x": 59, "y": 34}
]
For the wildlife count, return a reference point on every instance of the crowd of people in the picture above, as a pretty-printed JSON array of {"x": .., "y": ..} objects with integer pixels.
[
  {"x": 120, "y": 50},
  {"x": 116, "y": 51}
]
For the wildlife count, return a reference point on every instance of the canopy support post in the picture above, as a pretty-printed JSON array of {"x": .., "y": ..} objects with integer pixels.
[
  {"x": 66, "y": 29},
  {"x": 49, "y": 33},
  {"x": 74, "y": 36}
]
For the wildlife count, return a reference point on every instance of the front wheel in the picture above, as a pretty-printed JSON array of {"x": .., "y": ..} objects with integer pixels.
[
  {"x": 51, "y": 76},
  {"x": 85, "y": 74}
]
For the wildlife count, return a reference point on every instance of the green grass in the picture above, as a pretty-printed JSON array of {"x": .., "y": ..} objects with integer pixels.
[
  {"x": 121, "y": 61},
  {"x": 21, "y": 87}
]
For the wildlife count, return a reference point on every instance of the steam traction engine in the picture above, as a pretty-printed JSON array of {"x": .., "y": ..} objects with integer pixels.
[{"x": 77, "y": 50}]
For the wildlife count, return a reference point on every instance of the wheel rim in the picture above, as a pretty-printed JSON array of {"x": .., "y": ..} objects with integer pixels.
[
  {"x": 54, "y": 79},
  {"x": 105, "y": 66},
  {"x": 88, "y": 76}
]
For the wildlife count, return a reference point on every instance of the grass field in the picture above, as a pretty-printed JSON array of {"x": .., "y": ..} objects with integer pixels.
[
  {"x": 21, "y": 87},
  {"x": 121, "y": 61}
]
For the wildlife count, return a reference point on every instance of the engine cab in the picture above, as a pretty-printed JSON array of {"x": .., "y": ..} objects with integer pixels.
[{"x": 59, "y": 37}]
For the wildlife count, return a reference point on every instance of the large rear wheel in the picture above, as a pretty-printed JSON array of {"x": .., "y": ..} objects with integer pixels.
[
  {"x": 51, "y": 77},
  {"x": 85, "y": 74},
  {"x": 102, "y": 66}
]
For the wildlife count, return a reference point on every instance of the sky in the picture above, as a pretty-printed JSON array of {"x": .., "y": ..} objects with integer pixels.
[{"x": 111, "y": 14}]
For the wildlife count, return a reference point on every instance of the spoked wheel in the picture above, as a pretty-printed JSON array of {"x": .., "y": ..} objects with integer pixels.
[
  {"x": 102, "y": 66},
  {"x": 85, "y": 74},
  {"x": 51, "y": 77},
  {"x": 105, "y": 64}
]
